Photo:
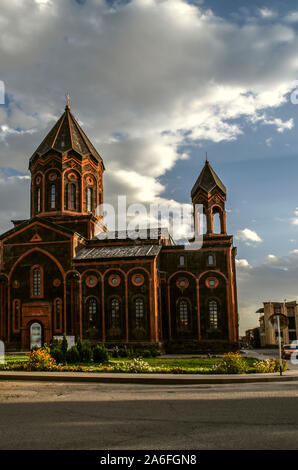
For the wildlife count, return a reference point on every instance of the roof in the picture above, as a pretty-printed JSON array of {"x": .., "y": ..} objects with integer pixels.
[
  {"x": 67, "y": 135},
  {"x": 140, "y": 234},
  {"x": 122, "y": 251},
  {"x": 208, "y": 180},
  {"x": 43, "y": 220}
]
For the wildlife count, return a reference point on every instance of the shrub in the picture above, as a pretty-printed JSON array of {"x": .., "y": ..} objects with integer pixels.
[
  {"x": 40, "y": 359},
  {"x": 123, "y": 352},
  {"x": 232, "y": 363},
  {"x": 146, "y": 353},
  {"x": 154, "y": 352},
  {"x": 100, "y": 354},
  {"x": 73, "y": 355},
  {"x": 269, "y": 365},
  {"x": 86, "y": 353},
  {"x": 57, "y": 354},
  {"x": 64, "y": 347},
  {"x": 79, "y": 345},
  {"x": 115, "y": 352}
]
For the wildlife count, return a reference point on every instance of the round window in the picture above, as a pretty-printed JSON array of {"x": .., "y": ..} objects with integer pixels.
[
  {"x": 138, "y": 279},
  {"x": 114, "y": 280},
  {"x": 53, "y": 176},
  {"x": 182, "y": 283},
  {"x": 212, "y": 282},
  {"x": 91, "y": 281}
]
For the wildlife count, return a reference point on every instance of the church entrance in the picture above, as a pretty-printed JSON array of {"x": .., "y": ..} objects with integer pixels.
[{"x": 35, "y": 335}]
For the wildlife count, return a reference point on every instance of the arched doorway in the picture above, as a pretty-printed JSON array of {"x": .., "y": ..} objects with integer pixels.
[{"x": 35, "y": 335}]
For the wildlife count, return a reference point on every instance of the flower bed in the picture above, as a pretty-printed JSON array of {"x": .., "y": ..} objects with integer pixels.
[{"x": 231, "y": 363}]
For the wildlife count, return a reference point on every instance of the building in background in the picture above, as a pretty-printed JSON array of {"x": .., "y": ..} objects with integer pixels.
[
  {"x": 268, "y": 335},
  {"x": 59, "y": 273}
]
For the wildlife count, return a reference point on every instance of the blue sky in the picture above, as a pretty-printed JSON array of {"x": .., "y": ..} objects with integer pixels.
[{"x": 156, "y": 84}]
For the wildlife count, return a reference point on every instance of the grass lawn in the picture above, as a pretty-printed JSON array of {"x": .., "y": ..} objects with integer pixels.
[{"x": 187, "y": 362}]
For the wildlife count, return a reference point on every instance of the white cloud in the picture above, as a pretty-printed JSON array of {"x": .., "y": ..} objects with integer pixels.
[
  {"x": 292, "y": 17},
  {"x": 267, "y": 13},
  {"x": 243, "y": 264},
  {"x": 248, "y": 236}
]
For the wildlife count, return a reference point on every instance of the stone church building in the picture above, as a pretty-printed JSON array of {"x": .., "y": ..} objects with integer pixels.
[{"x": 60, "y": 274}]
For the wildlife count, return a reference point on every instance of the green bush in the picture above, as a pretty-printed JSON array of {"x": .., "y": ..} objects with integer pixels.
[
  {"x": 73, "y": 355},
  {"x": 86, "y": 353},
  {"x": 100, "y": 354},
  {"x": 146, "y": 353},
  {"x": 123, "y": 352},
  {"x": 115, "y": 352},
  {"x": 57, "y": 354},
  {"x": 232, "y": 363},
  {"x": 79, "y": 345},
  {"x": 64, "y": 347}
]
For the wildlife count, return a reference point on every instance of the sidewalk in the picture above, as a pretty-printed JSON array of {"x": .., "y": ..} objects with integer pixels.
[{"x": 149, "y": 379}]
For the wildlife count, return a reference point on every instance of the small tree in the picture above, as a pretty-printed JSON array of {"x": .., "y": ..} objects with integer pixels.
[
  {"x": 100, "y": 354},
  {"x": 64, "y": 347}
]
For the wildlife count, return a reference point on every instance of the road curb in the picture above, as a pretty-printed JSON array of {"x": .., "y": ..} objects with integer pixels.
[{"x": 150, "y": 379}]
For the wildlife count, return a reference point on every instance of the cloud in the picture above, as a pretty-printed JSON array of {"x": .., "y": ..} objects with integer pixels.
[
  {"x": 249, "y": 237},
  {"x": 243, "y": 264},
  {"x": 267, "y": 13},
  {"x": 292, "y": 17},
  {"x": 145, "y": 77}
]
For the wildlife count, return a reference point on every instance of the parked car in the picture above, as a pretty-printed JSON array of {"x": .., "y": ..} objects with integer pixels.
[{"x": 288, "y": 350}]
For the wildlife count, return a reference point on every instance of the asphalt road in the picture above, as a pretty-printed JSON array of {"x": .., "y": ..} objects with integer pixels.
[{"x": 36, "y": 415}]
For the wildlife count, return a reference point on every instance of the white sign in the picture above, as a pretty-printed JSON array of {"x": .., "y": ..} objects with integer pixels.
[{"x": 71, "y": 340}]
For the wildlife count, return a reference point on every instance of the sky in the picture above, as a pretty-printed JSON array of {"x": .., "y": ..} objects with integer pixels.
[{"x": 155, "y": 84}]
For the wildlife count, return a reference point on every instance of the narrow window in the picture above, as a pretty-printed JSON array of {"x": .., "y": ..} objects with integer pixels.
[
  {"x": 36, "y": 282},
  {"x": 115, "y": 313},
  {"x": 210, "y": 260},
  {"x": 213, "y": 314},
  {"x": 38, "y": 200},
  {"x": 183, "y": 313},
  {"x": 16, "y": 314},
  {"x": 139, "y": 313},
  {"x": 181, "y": 261},
  {"x": 92, "y": 311},
  {"x": 72, "y": 198},
  {"x": 53, "y": 196},
  {"x": 58, "y": 305},
  {"x": 89, "y": 200}
]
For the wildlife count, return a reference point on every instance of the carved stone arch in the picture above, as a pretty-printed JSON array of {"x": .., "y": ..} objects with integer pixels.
[
  {"x": 72, "y": 199},
  {"x": 92, "y": 318},
  {"x": 183, "y": 285},
  {"x": 213, "y": 285},
  {"x": 139, "y": 321}
]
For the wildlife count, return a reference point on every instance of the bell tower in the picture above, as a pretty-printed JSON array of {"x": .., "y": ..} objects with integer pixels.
[
  {"x": 211, "y": 193},
  {"x": 66, "y": 177}
]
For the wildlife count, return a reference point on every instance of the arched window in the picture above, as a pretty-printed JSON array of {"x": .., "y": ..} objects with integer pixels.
[
  {"x": 115, "y": 313},
  {"x": 57, "y": 313},
  {"x": 72, "y": 196},
  {"x": 211, "y": 260},
  {"x": 38, "y": 199},
  {"x": 36, "y": 281},
  {"x": 216, "y": 223},
  {"x": 89, "y": 199},
  {"x": 213, "y": 314},
  {"x": 16, "y": 315},
  {"x": 92, "y": 312},
  {"x": 183, "y": 314},
  {"x": 53, "y": 196},
  {"x": 139, "y": 312}
]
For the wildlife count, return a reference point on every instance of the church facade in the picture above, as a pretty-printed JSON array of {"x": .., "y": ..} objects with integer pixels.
[{"x": 60, "y": 274}]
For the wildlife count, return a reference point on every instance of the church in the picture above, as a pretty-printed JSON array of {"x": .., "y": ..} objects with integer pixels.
[{"x": 59, "y": 273}]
